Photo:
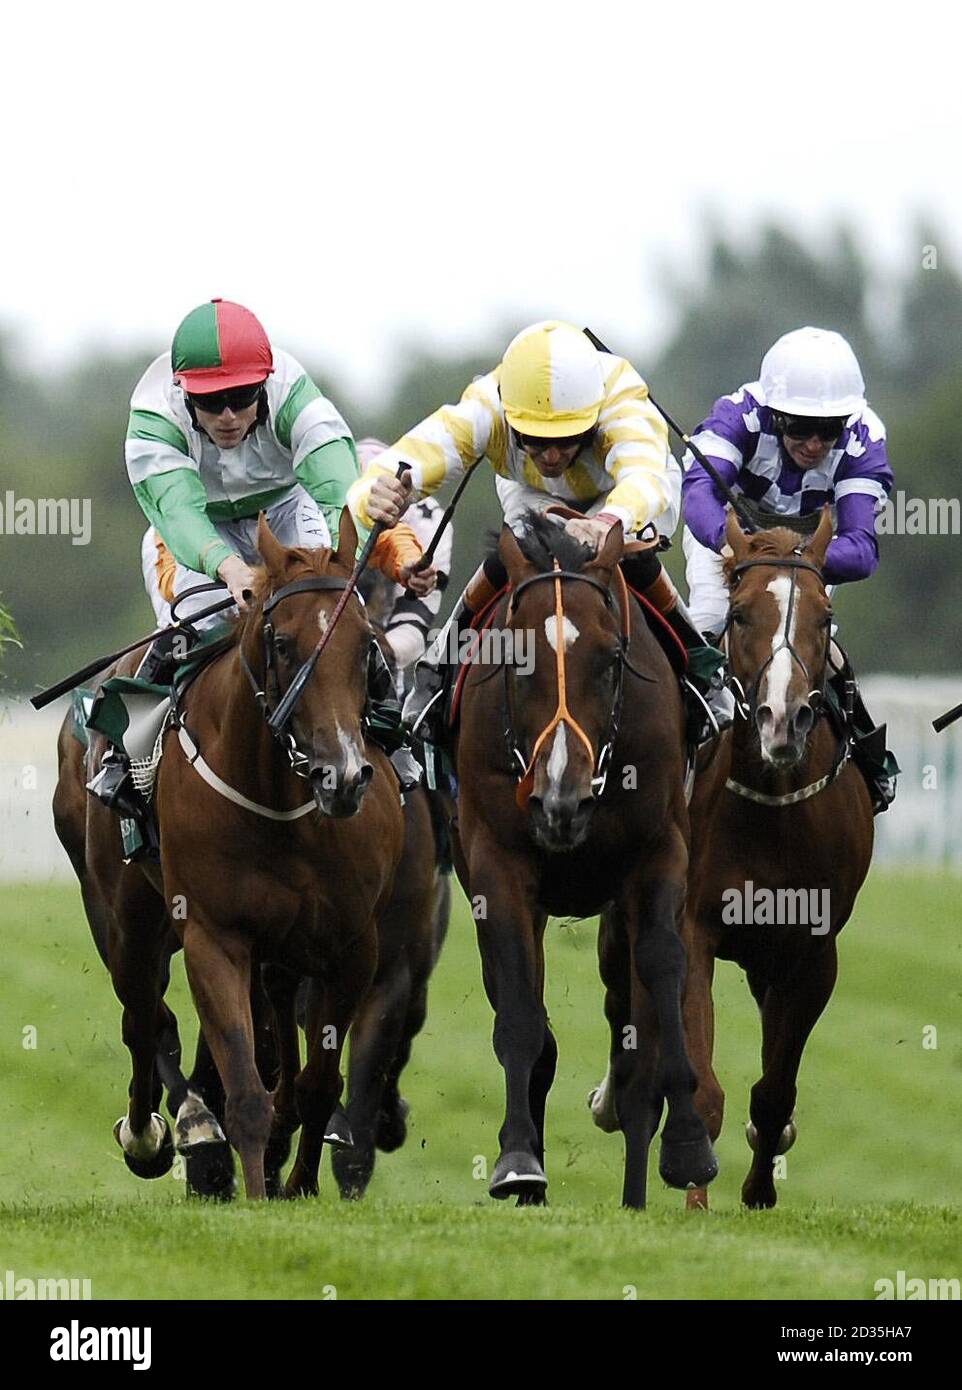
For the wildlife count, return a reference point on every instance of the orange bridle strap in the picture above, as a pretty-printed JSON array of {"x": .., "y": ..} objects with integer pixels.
[{"x": 562, "y": 714}]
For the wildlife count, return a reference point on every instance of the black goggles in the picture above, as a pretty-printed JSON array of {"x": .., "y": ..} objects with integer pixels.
[
  {"x": 535, "y": 444},
  {"x": 804, "y": 426},
  {"x": 234, "y": 398}
]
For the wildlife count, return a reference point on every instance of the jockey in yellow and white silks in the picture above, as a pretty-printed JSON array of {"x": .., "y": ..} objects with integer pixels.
[
  {"x": 553, "y": 393},
  {"x": 561, "y": 423}
]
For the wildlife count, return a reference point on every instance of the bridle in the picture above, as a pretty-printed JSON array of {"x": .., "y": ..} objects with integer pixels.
[
  {"x": 601, "y": 763},
  {"x": 747, "y": 703},
  {"x": 268, "y": 695}
]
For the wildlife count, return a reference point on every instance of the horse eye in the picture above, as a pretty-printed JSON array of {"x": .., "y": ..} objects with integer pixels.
[
  {"x": 283, "y": 646},
  {"x": 738, "y": 618}
]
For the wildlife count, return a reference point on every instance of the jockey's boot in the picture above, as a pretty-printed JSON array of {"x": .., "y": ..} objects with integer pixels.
[
  {"x": 875, "y": 762},
  {"x": 706, "y": 664},
  {"x": 114, "y": 787},
  {"x": 424, "y": 707}
]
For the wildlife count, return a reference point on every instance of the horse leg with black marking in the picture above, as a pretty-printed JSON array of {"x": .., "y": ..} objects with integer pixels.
[
  {"x": 331, "y": 1008},
  {"x": 687, "y": 1159},
  {"x": 512, "y": 967},
  {"x": 281, "y": 986},
  {"x": 789, "y": 1011},
  {"x": 198, "y": 1136},
  {"x": 219, "y": 969},
  {"x": 375, "y": 1038},
  {"x": 699, "y": 1016},
  {"x": 138, "y": 952},
  {"x": 627, "y": 1098}
]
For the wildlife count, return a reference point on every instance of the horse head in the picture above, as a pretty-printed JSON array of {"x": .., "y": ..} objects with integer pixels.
[
  {"x": 561, "y": 704},
  {"x": 779, "y": 632},
  {"x": 281, "y": 637}
]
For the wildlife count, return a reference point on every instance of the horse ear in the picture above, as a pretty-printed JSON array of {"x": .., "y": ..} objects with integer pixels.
[
  {"x": 346, "y": 540},
  {"x": 269, "y": 547},
  {"x": 736, "y": 537},
  {"x": 818, "y": 545},
  {"x": 517, "y": 564},
  {"x": 603, "y": 565}
]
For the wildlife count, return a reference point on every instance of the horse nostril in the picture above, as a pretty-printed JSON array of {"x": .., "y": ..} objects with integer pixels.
[
  {"x": 364, "y": 776},
  {"x": 764, "y": 719},
  {"x": 803, "y": 721}
]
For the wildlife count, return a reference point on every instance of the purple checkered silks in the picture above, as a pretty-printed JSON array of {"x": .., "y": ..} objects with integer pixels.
[{"x": 739, "y": 439}]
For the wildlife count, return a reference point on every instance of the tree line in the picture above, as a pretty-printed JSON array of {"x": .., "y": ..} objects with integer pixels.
[{"x": 61, "y": 435}]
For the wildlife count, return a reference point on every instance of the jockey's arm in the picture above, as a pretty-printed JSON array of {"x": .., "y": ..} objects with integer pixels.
[
  {"x": 443, "y": 446},
  {"x": 175, "y": 504},
  {"x": 727, "y": 442},
  {"x": 862, "y": 486},
  {"x": 632, "y": 439}
]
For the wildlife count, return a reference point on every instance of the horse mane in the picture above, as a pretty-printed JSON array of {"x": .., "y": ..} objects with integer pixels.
[
  {"x": 542, "y": 541},
  {"x": 302, "y": 561},
  {"x": 779, "y": 542}
]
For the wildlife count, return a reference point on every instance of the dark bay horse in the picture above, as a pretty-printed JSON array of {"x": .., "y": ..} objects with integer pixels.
[
  {"x": 782, "y": 835},
  {"x": 259, "y": 876},
  {"x": 596, "y": 823}
]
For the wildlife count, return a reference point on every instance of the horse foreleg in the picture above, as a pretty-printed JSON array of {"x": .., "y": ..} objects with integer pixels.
[
  {"x": 698, "y": 1012},
  {"x": 375, "y": 1038},
  {"x": 789, "y": 1013},
  {"x": 331, "y": 1008},
  {"x": 281, "y": 986},
  {"x": 687, "y": 1159},
  {"x": 512, "y": 966},
  {"x": 138, "y": 967},
  {"x": 219, "y": 969}
]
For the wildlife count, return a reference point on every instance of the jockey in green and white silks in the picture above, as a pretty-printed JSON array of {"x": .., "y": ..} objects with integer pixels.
[{"x": 221, "y": 429}]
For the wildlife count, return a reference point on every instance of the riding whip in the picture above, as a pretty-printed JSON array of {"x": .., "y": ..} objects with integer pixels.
[
  {"x": 709, "y": 468},
  {"x": 53, "y": 692}
]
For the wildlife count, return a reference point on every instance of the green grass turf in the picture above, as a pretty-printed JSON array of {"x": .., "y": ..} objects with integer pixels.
[{"x": 870, "y": 1187}]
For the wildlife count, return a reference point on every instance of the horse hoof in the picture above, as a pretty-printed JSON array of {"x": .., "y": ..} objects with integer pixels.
[
  {"x": 158, "y": 1164},
  {"x": 761, "y": 1200},
  {"x": 353, "y": 1169},
  {"x": 338, "y": 1131},
  {"x": 210, "y": 1170},
  {"x": 788, "y": 1136},
  {"x": 392, "y": 1129},
  {"x": 517, "y": 1175},
  {"x": 691, "y": 1163}
]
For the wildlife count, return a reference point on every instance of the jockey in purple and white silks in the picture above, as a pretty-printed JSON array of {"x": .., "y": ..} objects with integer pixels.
[{"x": 799, "y": 437}]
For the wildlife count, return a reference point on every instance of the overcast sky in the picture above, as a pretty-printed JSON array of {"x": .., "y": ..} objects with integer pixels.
[{"x": 379, "y": 174}]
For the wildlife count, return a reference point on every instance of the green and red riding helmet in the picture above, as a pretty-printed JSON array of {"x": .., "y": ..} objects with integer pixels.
[{"x": 218, "y": 346}]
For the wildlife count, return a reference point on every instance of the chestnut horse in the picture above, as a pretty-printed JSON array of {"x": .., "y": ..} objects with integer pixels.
[
  {"x": 598, "y": 823},
  {"x": 782, "y": 835},
  {"x": 249, "y": 870}
]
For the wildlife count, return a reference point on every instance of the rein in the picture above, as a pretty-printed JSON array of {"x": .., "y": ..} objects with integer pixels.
[
  {"x": 563, "y": 715},
  {"x": 746, "y": 705},
  {"x": 279, "y": 726},
  {"x": 299, "y": 762}
]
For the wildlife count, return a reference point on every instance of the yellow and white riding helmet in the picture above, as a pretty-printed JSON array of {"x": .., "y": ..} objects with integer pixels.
[{"x": 552, "y": 383}]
